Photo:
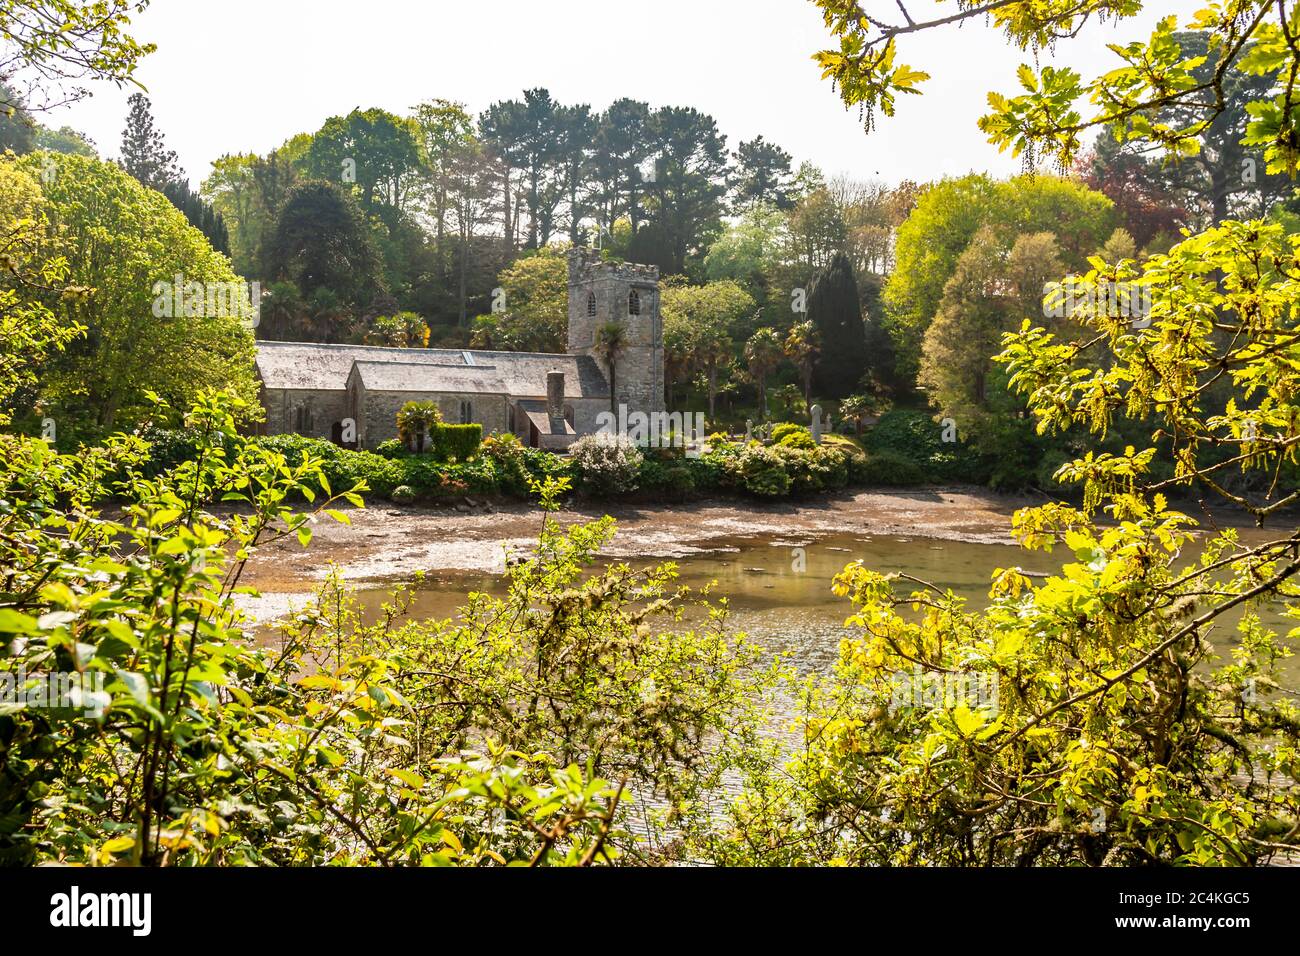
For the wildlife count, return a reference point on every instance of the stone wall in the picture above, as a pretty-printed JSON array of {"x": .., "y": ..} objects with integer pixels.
[
  {"x": 377, "y": 421},
  {"x": 324, "y": 407},
  {"x": 639, "y": 378}
]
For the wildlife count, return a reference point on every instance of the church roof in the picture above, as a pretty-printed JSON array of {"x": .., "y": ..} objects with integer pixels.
[
  {"x": 386, "y": 376},
  {"x": 312, "y": 366},
  {"x": 546, "y": 425}
]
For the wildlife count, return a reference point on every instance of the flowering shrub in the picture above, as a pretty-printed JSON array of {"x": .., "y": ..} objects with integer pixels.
[{"x": 607, "y": 464}]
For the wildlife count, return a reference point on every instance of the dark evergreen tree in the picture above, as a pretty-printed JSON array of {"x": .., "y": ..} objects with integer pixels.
[
  {"x": 17, "y": 129},
  {"x": 762, "y": 176},
  {"x": 320, "y": 243},
  {"x": 144, "y": 154},
  {"x": 835, "y": 308},
  {"x": 200, "y": 214},
  {"x": 686, "y": 190},
  {"x": 620, "y": 149}
]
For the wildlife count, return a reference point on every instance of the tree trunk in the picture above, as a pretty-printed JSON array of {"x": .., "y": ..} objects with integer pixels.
[
  {"x": 508, "y": 231},
  {"x": 1219, "y": 197},
  {"x": 713, "y": 388},
  {"x": 464, "y": 279}
]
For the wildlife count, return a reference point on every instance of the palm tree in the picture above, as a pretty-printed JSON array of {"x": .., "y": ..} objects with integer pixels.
[
  {"x": 611, "y": 340},
  {"x": 802, "y": 346},
  {"x": 763, "y": 354},
  {"x": 712, "y": 348},
  {"x": 414, "y": 420},
  {"x": 854, "y": 408}
]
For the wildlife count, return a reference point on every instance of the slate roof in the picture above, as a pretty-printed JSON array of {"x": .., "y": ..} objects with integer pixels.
[
  {"x": 311, "y": 366},
  {"x": 546, "y": 425},
  {"x": 383, "y": 376}
]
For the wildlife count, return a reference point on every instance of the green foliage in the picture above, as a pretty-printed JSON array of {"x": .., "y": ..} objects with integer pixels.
[
  {"x": 947, "y": 217},
  {"x": 814, "y": 470},
  {"x": 30, "y": 331},
  {"x": 415, "y": 422},
  {"x": 405, "y": 330},
  {"x": 342, "y": 467},
  {"x": 456, "y": 442},
  {"x": 58, "y": 44},
  {"x": 444, "y": 477},
  {"x": 392, "y": 448},
  {"x": 246, "y": 756},
  {"x": 761, "y": 471},
  {"x": 331, "y": 748},
  {"x": 784, "y": 430},
  {"x": 906, "y": 435},
  {"x": 534, "y": 300},
  {"x": 1084, "y": 711},
  {"x": 673, "y": 480},
  {"x": 991, "y": 292},
  {"x": 519, "y": 467},
  {"x": 320, "y": 243},
  {"x": 890, "y": 469},
  {"x": 121, "y": 239},
  {"x": 746, "y": 249}
]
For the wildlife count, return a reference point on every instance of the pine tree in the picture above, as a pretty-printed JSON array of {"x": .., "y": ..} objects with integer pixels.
[
  {"x": 200, "y": 214},
  {"x": 144, "y": 155},
  {"x": 835, "y": 309}
]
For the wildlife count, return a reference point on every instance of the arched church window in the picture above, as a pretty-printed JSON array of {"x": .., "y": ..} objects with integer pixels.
[
  {"x": 591, "y": 303},
  {"x": 634, "y": 303}
]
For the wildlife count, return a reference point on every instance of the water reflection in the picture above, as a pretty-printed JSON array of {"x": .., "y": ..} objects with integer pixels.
[{"x": 779, "y": 590}]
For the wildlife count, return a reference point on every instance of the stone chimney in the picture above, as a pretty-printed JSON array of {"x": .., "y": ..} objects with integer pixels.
[{"x": 555, "y": 394}]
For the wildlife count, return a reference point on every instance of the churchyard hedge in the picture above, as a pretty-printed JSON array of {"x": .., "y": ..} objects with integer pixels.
[{"x": 789, "y": 466}]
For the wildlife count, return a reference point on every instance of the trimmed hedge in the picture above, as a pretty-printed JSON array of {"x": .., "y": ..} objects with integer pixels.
[{"x": 459, "y": 442}]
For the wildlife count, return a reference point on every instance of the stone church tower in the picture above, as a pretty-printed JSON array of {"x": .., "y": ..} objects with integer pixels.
[{"x": 604, "y": 292}]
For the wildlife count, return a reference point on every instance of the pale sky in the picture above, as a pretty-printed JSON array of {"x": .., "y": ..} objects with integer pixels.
[{"x": 244, "y": 75}]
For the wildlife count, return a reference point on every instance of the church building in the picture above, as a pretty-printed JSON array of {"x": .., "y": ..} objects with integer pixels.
[{"x": 340, "y": 391}]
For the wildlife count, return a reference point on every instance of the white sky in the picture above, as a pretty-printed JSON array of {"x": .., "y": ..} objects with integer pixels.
[{"x": 244, "y": 75}]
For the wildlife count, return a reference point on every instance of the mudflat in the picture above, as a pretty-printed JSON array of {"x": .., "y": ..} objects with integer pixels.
[{"x": 385, "y": 541}]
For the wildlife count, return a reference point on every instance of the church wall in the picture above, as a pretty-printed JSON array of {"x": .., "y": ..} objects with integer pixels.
[
  {"x": 640, "y": 369},
  {"x": 325, "y": 407},
  {"x": 378, "y": 420},
  {"x": 585, "y": 411}
]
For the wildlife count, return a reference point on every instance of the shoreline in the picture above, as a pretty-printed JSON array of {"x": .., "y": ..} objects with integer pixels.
[{"x": 387, "y": 542}]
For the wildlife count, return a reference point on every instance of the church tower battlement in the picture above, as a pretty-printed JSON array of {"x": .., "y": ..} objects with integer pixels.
[{"x": 628, "y": 294}]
